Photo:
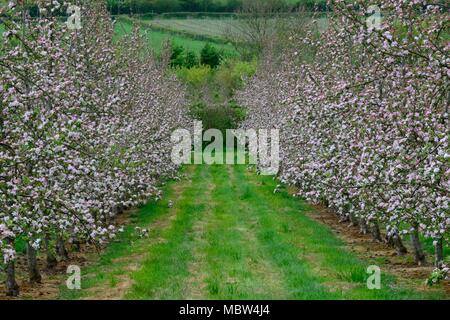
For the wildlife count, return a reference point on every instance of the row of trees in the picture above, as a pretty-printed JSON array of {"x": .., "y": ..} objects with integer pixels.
[
  {"x": 363, "y": 111},
  {"x": 183, "y": 6},
  {"x": 160, "y": 6},
  {"x": 84, "y": 132}
]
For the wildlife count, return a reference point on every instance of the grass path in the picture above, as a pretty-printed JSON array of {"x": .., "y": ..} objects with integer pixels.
[{"x": 228, "y": 236}]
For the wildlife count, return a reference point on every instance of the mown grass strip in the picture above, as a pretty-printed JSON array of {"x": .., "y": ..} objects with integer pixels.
[
  {"x": 165, "y": 270},
  {"x": 299, "y": 279},
  {"x": 332, "y": 265},
  {"x": 232, "y": 261},
  {"x": 228, "y": 236}
]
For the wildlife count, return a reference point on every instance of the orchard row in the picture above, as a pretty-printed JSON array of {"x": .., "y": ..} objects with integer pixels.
[
  {"x": 84, "y": 132},
  {"x": 363, "y": 112}
]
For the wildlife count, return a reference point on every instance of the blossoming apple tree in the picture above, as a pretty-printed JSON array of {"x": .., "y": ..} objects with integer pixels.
[
  {"x": 363, "y": 112},
  {"x": 84, "y": 131}
]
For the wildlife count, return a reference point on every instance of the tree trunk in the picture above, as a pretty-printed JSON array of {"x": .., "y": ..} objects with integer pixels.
[
  {"x": 33, "y": 270},
  {"x": 121, "y": 209},
  {"x": 401, "y": 249},
  {"x": 419, "y": 255},
  {"x": 375, "y": 231},
  {"x": 12, "y": 288},
  {"x": 353, "y": 220},
  {"x": 75, "y": 241},
  {"x": 76, "y": 244},
  {"x": 363, "y": 226},
  {"x": 51, "y": 259},
  {"x": 389, "y": 241},
  {"x": 438, "y": 253},
  {"x": 61, "y": 249},
  {"x": 395, "y": 241}
]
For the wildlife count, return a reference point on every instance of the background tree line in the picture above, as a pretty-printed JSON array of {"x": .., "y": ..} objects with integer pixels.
[{"x": 161, "y": 6}]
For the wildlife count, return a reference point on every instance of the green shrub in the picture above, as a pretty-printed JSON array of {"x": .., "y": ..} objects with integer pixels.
[
  {"x": 230, "y": 76},
  {"x": 244, "y": 69},
  {"x": 182, "y": 58},
  {"x": 191, "y": 60},
  {"x": 195, "y": 77},
  {"x": 218, "y": 116},
  {"x": 177, "y": 57},
  {"x": 239, "y": 113},
  {"x": 210, "y": 56}
]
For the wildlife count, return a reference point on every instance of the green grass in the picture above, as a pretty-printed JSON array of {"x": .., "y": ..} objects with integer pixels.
[
  {"x": 164, "y": 270},
  {"x": 325, "y": 256},
  {"x": 228, "y": 236}
]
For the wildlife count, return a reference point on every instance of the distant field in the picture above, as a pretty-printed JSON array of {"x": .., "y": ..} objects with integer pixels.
[
  {"x": 157, "y": 38},
  {"x": 208, "y": 27},
  {"x": 192, "y": 33}
]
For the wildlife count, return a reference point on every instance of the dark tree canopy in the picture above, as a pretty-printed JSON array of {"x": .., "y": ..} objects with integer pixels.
[
  {"x": 160, "y": 6},
  {"x": 210, "y": 56}
]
